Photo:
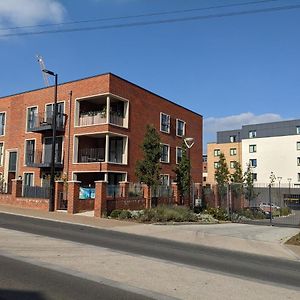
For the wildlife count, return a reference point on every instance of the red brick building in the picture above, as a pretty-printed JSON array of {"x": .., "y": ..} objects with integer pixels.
[{"x": 100, "y": 126}]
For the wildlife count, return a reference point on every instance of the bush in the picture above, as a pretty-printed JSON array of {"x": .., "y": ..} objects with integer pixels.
[
  {"x": 125, "y": 214},
  {"x": 115, "y": 213},
  {"x": 218, "y": 213},
  {"x": 285, "y": 211}
]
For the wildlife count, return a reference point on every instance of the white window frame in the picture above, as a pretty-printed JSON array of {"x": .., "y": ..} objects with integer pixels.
[
  {"x": 232, "y": 138},
  {"x": 298, "y": 161},
  {"x": 298, "y": 145},
  {"x": 250, "y": 162},
  {"x": 5, "y": 120},
  {"x": 33, "y": 177},
  {"x": 231, "y": 164},
  {"x": 165, "y": 162},
  {"x": 218, "y": 151},
  {"x": 252, "y": 148},
  {"x": 2, "y": 154},
  {"x": 25, "y": 149},
  {"x": 168, "y": 180},
  {"x": 184, "y": 125},
  {"x": 27, "y": 109},
  {"x": 232, "y": 152},
  {"x": 169, "y": 122},
  {"x": 252, "y": 134},
  {"x": 216, "y": 164},
  {"x": 177, "y": 149}
]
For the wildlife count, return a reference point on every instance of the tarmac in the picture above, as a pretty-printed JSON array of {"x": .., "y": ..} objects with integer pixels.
[{"x": 153, "y": 277}]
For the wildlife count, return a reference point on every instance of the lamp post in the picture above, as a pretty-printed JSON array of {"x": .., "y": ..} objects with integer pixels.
[
  {"x": 289, "y": 180},
  {"x": 272, "y": 180},
  {"x": 54, "y": 115},
  {"x": 279, "y": 180},
  {"x": 189, "y": 142}
]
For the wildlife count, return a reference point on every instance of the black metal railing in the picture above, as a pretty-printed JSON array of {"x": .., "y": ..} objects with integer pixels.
[
  {"x": 41, "y": 122},
  {"x": 88, "y": 155},
  {"x": 116, "y": 119},
  {"x": 36, "y": 192},
  {"x": 42, "y": 159}
]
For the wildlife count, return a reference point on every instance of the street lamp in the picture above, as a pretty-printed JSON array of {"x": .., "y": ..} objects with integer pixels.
[
  {"x": 272, "y": 180},
  {"x": 189, "y": 142},
  {"x": 54, "y": 115},
  {"x": 279, "y": 180},
  {"x": 289, "y": 180}
]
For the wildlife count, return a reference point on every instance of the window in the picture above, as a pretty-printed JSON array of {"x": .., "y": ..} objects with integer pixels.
[
  {"x": 2, "y": 123},
  {"x": 60, "y": 113},
  {"x": 298, "y": 129},
  {"x": 164, "y": 179},
  {"x": 298, "y": 176},
  {"x": 31, "y": 117},
  {"x": 164, "y": 153},
  {"x": 232, "y": 138},
  {"x": 232, "y": 151},
  {"x": 29, "y": 152},
  {"x": 298, "y": 161},
  {"x": 253, "y": 163},
  {"x": 298, "y": 145},
  {"x": 216, "y": 165},
  {"x": 254, "y": 176},
  {"x": 28, "y": 179},
  {"x": 164, "y": 123},
  {"x": 178, "y": 155},
  {"x": 232, "y": 164},
  {"x": 252, "y": 134},
  {"x": 180, "y": 127},
  {"x": 12, "y": 165},
  {"x": 217, "y": 152},
  {"x": 1, "y": 153},
  {"x": 252, "y": 148},
  {"x": 116, "y": 149}
]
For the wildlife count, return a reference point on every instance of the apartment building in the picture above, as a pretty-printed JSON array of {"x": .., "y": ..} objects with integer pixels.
[
  {"x": 268, "y": 147},
  {"x": 101, "y": 123}
]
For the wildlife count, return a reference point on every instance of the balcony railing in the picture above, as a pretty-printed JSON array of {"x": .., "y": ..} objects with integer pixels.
[
  {"x": 40, "y": 122},
  {"x": 116, "y": 119},
  {"x": 89, "y": 155},
  {"x": 92, "y": 118},
  {"x": 39, "y": 159}
]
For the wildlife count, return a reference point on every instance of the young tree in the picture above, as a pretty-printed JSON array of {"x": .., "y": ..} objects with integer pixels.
[
  {"x": 182, "y": 172},
  {"x": 222, "y": 175},
  {"x": 147, "y": 170},
  {"x": 237, "y": 180},
  {"x": 249, "y": 184}
]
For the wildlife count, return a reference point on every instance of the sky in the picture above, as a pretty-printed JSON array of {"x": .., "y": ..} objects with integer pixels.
[{"x": 233, "y": 70}]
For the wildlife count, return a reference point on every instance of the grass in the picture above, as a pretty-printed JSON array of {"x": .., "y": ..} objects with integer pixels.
[{"x": 295, "y": 240}]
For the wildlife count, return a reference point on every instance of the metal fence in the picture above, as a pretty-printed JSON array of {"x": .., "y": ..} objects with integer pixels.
[
  {"x": 36, "y": 192},
  {"x": 113, "y": 190},
  {"x": 135, "y": 190}
]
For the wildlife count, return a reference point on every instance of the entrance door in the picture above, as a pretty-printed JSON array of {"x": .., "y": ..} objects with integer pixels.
[{"x": 12, "y": 169}]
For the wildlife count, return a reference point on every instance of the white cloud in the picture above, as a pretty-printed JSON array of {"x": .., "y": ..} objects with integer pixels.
[
  {"x": 30, "y": 12},
  {"x": 212, "y": 125}
]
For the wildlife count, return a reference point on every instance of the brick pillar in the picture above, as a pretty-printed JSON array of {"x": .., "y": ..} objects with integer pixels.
[
  {"x": 147, "y": 195},
  {"x": 176, "y": 193},
  {"x": 73, "y": 196},
  {"x": 59, "y": 188},
  {"x": 100, "y": 198},
  {"x": 16, "y": 188},
  {"x": 124, "y": 186},
  {"x": 198, "y": 188}
]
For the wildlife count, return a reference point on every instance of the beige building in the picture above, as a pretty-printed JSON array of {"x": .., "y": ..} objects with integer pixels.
[{"x": 232, "y": 152}]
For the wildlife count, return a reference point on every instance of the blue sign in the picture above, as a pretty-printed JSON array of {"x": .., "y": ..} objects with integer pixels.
[{"x": 87, "y": 193}]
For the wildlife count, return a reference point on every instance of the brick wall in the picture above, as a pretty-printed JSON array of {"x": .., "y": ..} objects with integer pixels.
[{"x": 40, "y": 204}]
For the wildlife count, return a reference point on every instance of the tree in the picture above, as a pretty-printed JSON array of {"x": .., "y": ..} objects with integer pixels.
[
  {"x": 249, "y": 184},
  {"x": 222, "y": 175},
  {"x": 237, "y": 180},
  {"x": 147, "y": 170},
  {"x": 182, "y": 172}
]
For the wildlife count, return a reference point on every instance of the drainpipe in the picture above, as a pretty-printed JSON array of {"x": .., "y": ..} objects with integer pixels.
[{"x": 69, "y": 134}]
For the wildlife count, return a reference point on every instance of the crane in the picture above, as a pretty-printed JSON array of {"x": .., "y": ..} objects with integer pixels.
[{"x": 43, "y": 67}]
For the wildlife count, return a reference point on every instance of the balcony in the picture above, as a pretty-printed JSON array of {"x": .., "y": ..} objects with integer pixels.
[
  {"x": 42, "y": 123},
  {"x": 90, "y": 155},
  {"x": 94, "y": 111},
  {"x": 39, "y": 159}
]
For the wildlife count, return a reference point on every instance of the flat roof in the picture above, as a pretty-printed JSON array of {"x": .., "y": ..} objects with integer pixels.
[{"x": 98, "y": 75}]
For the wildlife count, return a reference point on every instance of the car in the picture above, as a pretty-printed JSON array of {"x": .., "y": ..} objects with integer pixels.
[{"x": 264, "y": 205}]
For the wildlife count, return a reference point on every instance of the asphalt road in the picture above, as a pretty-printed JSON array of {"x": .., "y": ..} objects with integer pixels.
[
  {"x": 21, "y": 280},
  {"x": 254, "y": 267}
]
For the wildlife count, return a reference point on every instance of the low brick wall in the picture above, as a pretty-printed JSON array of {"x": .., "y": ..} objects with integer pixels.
[
  {"x": 85, "y": 204},
  {"x": 33, "y": 203},
  {"x": 125, "y": 203}
]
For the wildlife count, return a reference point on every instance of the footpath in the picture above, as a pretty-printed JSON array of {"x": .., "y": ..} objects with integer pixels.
[{"x": 148, "y": 276}]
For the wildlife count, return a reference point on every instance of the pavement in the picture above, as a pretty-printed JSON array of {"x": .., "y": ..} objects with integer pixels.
[{"x": 155, "y": 278}]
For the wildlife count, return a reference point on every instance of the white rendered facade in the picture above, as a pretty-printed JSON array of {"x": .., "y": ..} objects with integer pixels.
[{"x": 277, "y": 154}]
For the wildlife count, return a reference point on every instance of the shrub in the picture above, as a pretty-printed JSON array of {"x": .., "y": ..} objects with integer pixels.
[
  {"x": 125, "y": 214},
  {"x": 218, "y": 213},
  {"x": 115, "y": 213},
  {"x": 285, "y": 211}
]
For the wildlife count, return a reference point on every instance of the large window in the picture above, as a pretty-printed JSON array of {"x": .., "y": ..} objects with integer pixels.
[
  {"x": 48, "y": 147},
  {"x": 2, "y": 123},
  {"x": 60, "y": 112},
  {"x": 298, "y": 161},
  {"x": 216, "y": 165},
  {"x": 178, "y": 155},
  {"x": 164, "y": 123},
  {"x": 29, "y": 152},
  {"x": 28, "y": 179},
  {"x": 253, "y": 163},
  {"x": 252, "y": 134},
  {"x": 116, "y": 149},
  {"x": 1, "y": 153},
  {"x": 232, "y": 138},
  {"x": 180, "y": 127},
  {"x": 165, "y": 149},
  {"x": 217, "y": 152},
  {"x": 164, "y": 179},
  {"x": 31, "y": 118},
  {"x": 298, "y": 145},
  {"x": 232, "y": 151},
  {"x": 252, "y": 148},
  {"x": 12, "y": 165}
]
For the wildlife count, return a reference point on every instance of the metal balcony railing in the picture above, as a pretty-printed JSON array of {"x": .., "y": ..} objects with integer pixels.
[
  {"x": 40, "y": 122},
  {"x": 40, "y": 159},
  {"x": 89, "y": 155}
]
